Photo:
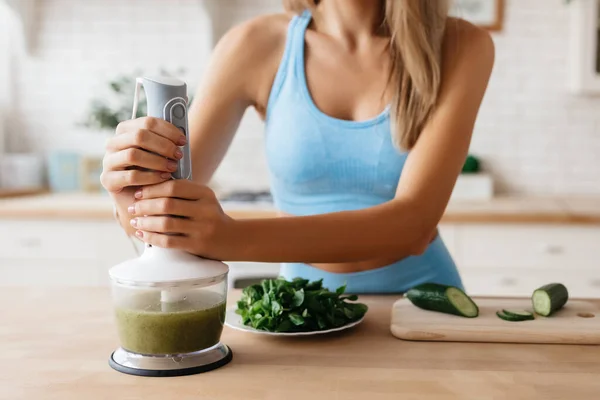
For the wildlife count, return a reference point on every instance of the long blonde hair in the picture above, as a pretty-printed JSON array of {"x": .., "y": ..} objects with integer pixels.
[{"x": 416, "y": 29}]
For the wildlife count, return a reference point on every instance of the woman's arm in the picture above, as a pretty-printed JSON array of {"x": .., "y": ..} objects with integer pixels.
[
  {"x": 144, "y": 150},
  {"x": 403, "y": 226},
  {"x": 394, "y": 230},
  {"x": 239, "y": 75}
]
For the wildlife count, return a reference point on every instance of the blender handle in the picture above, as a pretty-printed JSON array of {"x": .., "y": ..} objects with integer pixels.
[{"x": 167, "y": 99}]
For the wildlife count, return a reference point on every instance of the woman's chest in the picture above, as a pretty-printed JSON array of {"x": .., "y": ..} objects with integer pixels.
[
  {"x": 347, "y": 84},
  {"x": 317, "y": 156}
]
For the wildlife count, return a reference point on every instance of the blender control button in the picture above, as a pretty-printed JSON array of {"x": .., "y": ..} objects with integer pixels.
[{"x": 178, "y": 111}]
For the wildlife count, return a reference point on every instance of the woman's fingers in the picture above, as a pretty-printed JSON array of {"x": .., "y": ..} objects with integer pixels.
[
  {"x": 114, "y": 181},
  {"x": 162, "y": 224},
  {"x": 147, "y": 140},
  {"x": 179, "y": 188},
  {"x": 163, "y": 206},
  {"x": 133, "y": 157},
  {"x": 156, "y": 125},
  {"x": 162, "y": 240},
  {"x": 150, "y": 144}
]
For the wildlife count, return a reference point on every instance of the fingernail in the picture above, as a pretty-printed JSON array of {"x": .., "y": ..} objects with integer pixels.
[
  {"x": 182, "y": 141},
  {"x": 172, "y": 166},
  {"x": 139, "y": 234},
  {"x": 178, "y": 154},
  {"x": 131, "y": 209},
  {"x": 133, "y": 222},
  {"x": 165, "y": 175},
  {"x": 138, "y": 194}
]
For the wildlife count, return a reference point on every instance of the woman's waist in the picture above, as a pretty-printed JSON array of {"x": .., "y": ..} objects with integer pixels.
[
  {"x": 300, "y": 204},
  {"x": 435, "y": 245}
]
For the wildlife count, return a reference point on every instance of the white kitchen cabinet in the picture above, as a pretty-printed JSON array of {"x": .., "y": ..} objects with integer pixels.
[
  {"x": 514, "y": 259},
  {"x": 449, "y": 236},
  {"x": 55, "y": 252},
  {"x": 528, "y": 246}
]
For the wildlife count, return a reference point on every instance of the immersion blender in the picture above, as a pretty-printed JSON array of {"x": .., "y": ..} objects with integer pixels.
[
  {"x": 166, "y": 98},
  {"x": 175, "y": 274}
]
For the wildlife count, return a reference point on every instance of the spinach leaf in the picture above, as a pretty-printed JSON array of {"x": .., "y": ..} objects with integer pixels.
[
  {"x": 298, "y": 298},
  {"x": 278, "y": 305},
  {"x": 296, "y": 319}
]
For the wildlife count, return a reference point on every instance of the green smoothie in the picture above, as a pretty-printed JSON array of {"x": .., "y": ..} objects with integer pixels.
[{"x": 151, "y": 327}]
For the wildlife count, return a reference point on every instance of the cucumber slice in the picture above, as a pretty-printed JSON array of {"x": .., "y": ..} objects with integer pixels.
[
  {"x": 443, "y": 298},
  {"x": 511, "y": 318},
  {"x": 515, "y": 315},
  {"x": 519, "y": 313},
  {"x": 549, "y": 298}
]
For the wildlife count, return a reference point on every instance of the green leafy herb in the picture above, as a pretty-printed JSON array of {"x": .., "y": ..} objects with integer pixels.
[{"x": 277, "y": 305}]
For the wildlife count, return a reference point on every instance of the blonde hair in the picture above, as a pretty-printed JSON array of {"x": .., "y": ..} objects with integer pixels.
[{"x": 416, "y": 29}]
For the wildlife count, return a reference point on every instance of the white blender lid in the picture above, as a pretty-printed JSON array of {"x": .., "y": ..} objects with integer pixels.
[{"x": 166, "y": 267}]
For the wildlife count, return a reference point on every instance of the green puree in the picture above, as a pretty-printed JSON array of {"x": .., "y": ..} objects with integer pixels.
[{"x": 174, "y": 328}]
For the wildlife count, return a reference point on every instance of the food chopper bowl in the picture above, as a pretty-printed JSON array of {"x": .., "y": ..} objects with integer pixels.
[
  {"x": 169, "y": 309},
  {"x": 178, "y": 319}
]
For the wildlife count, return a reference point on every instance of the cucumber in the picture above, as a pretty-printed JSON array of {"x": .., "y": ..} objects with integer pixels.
[
  {"x": 443, "y": 298},
  {"x": 549, "y": 298},
  {"x": 519, "y": 313},
  {"x": 515, "y": 315}
]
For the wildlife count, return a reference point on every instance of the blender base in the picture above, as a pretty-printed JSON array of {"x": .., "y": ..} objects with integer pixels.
[{"x": 164, "y": 366}]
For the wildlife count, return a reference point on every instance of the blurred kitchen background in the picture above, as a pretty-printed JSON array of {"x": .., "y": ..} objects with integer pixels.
[{"x": 525, "y": 211}]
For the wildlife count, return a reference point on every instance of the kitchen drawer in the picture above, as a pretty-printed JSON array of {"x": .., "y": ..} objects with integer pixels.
[
  {"x": 522, "y": 282},
  {"x": 48, "y": 272},
  {"x": 448, "y": 235},
  {"x": 528, "y": 246},
  {"x": 64, "y": 240},
  {"x": 241, "y": 273},
  {"x": 47, "y": 240}
]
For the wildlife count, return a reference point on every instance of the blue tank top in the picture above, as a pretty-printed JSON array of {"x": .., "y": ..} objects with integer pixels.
[{"x": 321, "y": 164}]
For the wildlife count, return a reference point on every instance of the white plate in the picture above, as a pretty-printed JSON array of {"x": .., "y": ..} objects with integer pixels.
[{"x": 234, "y": 321}]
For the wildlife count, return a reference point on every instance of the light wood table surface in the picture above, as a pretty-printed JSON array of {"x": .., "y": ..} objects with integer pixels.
[{"x": 55, "y": 344}]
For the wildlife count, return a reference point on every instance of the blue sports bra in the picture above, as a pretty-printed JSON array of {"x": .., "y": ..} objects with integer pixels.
[{"x": 320, "y": 164}]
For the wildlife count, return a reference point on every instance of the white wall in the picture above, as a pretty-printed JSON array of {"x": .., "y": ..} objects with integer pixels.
[{"x": 533, "y": 136}]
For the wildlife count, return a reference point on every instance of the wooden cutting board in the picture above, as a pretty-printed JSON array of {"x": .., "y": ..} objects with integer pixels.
[{"x": 578, "y": 322}]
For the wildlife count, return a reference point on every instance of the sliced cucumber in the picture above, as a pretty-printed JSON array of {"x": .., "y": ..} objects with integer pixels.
[
  {"x": 549, "y": 298},
  {"x": 515, "y": 315},
  {"x": 519, "y": 313},
  {"x": 443, "y": 298}
]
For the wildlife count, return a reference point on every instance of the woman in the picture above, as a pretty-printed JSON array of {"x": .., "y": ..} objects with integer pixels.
[{"x": 369, "y": 108}]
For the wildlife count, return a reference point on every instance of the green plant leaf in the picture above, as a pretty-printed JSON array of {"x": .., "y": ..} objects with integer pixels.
[
  {"x": 296, "y": 319},
  {"x": 285, "y": 326},
  {"x": 276, "y": 307},
  {"x": 298, "y": 298},
  {"x": 266, "y": 301},
  {"x": 315, "y": 285}
]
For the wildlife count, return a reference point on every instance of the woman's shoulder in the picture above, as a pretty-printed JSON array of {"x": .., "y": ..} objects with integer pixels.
[
  {"x": 259, "y": 36},
  {"x": 464, "y": 34},
  {"x": 249, "y": 54},
  {"x": 466, "y": 47}
]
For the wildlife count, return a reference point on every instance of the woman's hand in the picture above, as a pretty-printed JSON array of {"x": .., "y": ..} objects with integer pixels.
[
  {"x": 184, "y": 215},
  {"x": 142, "y": 152}
]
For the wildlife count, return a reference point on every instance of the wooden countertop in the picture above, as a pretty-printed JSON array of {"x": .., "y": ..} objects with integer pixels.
[
  {"x": 552, "y": 210},
  {"x": 55, "y": 344}
]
